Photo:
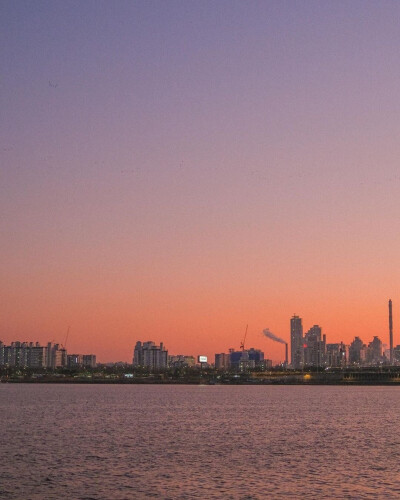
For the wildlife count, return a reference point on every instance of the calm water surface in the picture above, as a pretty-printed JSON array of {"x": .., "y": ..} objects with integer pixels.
[{"x": 121, "y": 442}]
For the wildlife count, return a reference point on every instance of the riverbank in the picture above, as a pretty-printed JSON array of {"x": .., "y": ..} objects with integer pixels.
[{"x": 324, "y": 378}]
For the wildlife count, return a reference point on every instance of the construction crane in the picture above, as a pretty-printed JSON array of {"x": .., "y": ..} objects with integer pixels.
[
  {"x": 66, "y": 338},
  {"x": 242, "y": 343}
]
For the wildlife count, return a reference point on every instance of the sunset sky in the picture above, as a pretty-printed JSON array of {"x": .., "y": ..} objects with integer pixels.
[{"x": 175, "y": 170}]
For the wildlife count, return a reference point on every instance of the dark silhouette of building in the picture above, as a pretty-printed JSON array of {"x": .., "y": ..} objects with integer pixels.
[
  {"x": 391, "y": 358},
  {"x": 148, "y": 355},
  {"x": 357, "y": 352},
  {"x": 336, "y": 355},
  {"x": 374, "y": 352},
  {"x": 222, "y": 361},
  {"x": 314, "y": 347},
  {"x": 245, "y": 359},
  {"x": 296, "y": 343}
]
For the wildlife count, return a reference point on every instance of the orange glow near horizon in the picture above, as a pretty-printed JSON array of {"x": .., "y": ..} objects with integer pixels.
[
  {"x": 174, "y": 173},
  {"x": 192, "y": 321}
]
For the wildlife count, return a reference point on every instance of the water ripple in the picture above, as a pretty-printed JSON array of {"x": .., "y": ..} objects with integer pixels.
[{"x": 179, "y": 442}]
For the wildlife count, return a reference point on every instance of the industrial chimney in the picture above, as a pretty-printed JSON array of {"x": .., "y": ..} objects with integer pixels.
[{"x": 391, "y": 331}]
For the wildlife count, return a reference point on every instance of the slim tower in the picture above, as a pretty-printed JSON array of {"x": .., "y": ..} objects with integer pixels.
[
  {"x": 296, "y": 343},
  {"x": 391, "y": 331}
]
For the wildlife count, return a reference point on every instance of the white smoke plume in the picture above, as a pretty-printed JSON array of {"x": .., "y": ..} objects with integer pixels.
[{"x": 272, "y": 336}]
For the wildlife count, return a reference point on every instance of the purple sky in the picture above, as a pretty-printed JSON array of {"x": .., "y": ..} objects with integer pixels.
[{"x": 243, "y": 154}]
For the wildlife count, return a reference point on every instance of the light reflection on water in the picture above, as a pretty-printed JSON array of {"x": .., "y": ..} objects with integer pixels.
[{"x": 241, "y": 442}]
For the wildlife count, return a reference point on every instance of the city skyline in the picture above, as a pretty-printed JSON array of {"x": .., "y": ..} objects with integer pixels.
[
  {"x": 175, "y": 171},
  {"x": 299, "y": 339},
  {"x": 199, "y": 237}
]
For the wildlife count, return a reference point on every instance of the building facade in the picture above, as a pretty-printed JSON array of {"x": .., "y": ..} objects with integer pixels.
[
  {"x": 89, "y": 360},
  {"x": 222, "y": 361},
  {"x": 245, "y": 359},
  {"x": 357, "y": 352},
  {"x": 314, "y": 347},
  {"x": 33, "y": 355},
  {"x": 296, "y": 343},
  {"x": 181, "y": 361},
  {"x": 336, "y": 355},
  {"x": 375, "y": 352},
  {"x": 24, "y": 355},
  {"x": 149, "y": 355}
]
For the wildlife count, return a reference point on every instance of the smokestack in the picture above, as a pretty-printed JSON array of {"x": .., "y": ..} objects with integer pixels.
[
  {"x": 286, "y": 354},
  {"x": 391, "y": 331}
]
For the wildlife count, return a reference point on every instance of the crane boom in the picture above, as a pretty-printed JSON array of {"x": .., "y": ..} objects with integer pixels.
[
  {"x": 66, "y": 337},
  {"x": 242, "y": 344}
]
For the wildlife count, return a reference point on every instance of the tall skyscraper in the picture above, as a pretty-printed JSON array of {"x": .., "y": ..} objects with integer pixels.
[
  {"x": 296, "y": 343},
  {"x": 391, "y": 332}
]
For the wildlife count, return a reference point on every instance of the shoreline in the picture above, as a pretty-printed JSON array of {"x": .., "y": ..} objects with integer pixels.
[{"x": 345, "y": 383}]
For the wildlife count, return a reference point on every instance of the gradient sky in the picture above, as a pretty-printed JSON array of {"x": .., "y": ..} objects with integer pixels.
[{"x": 174, "y": 170}]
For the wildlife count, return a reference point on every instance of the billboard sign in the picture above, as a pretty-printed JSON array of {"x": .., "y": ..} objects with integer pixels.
[{"x": 202, "y": 359}]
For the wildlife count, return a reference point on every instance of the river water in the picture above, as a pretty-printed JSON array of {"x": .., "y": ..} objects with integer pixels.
[{"x": 182, "y": 442}]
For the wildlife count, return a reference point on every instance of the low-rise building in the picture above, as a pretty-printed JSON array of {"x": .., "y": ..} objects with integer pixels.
[
  {"x": 181, "y": 361},
  {"x": 245, "y": 359}
]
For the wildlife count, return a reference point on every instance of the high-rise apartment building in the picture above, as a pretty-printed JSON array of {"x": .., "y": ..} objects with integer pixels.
[
  {"x": 89, "y": 361},
  {"x": 21, "y": 355},
  {"x": 396, "y": 354},
  {"x": 222, "y": 361},
  {"x": 74, "y": 361},
  {"x": 32, "y": 355},
  {"x": 150, "y": 356},
  {"x": 2, "y": 353},
  {"x": 357, "y": 352},
  {"x": 296, "y": 343},
  {"x": 375, "y": 352},
  {"x": 314, "y": 347},
  {"x": 37, "y": 356},
  {"x": 56, "y": 356},
  {"x": 336, "y": 355},
  {"x": 81, "y": 361}
]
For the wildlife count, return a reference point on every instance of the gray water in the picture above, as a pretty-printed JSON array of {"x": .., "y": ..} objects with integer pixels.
[{"x": 242, "y": 442}]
